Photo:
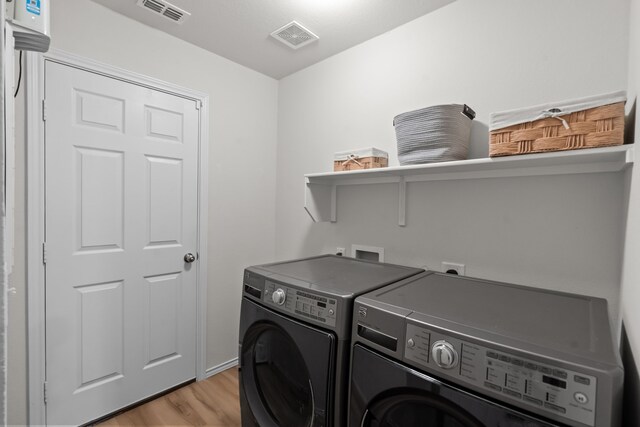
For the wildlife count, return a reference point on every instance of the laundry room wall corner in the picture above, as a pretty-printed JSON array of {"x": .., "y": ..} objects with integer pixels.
[
  {"x": 630, "y": 293},
  {"x": 451, "y": 56}
]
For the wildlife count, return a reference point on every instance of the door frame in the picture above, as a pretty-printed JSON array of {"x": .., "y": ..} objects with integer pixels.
[{"x": 35, "y": 211}]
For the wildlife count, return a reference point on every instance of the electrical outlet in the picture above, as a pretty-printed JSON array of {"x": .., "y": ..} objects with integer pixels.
[
  {"x": 340, "y": 251},
  {"x": 453, "y": 268}
]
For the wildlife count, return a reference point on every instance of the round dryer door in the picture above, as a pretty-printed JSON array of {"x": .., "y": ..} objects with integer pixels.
[
  {"x": 286, "y": 371},
  {"x": 282, "y": 378},
  {"x": 416, "y": 409}
]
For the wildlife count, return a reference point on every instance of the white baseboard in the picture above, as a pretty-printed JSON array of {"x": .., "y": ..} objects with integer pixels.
[{"x": 221, "y": 367}]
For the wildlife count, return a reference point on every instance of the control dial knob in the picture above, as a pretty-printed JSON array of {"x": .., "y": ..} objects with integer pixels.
[
  {"x": 279, "y": 296},
  {"x": 444, "y": 354}
]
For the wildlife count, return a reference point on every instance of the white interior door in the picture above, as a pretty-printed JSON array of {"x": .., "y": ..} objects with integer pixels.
[{"x": 121, "y": 213}]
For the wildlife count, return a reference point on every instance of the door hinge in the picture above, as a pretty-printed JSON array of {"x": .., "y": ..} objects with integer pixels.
[
  {"x": 44, "y": 392},
  {"x": 44, "y": 110},
  {"x": 44, "y": 252}
]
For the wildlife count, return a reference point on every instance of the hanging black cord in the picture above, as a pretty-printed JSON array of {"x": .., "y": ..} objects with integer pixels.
[{"x": 19, "y": 76}]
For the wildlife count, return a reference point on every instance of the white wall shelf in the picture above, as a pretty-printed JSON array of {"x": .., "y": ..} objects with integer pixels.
[{"x": 321, "y": 188}]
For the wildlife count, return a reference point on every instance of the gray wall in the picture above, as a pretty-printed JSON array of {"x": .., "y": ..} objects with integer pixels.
[
  {"x": 630, "y": 295},
  {"x": 565, "y": 233},
  {"x": 243, "y": 137},
  {"x": 560, "y": 232}
]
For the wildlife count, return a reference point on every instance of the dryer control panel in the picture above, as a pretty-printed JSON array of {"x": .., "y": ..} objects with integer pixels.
[
  {"x": 528, "y": 383},
  {"x": 302, "y": 304}
]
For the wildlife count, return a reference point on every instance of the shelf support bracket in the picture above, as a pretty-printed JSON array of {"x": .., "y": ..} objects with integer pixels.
[
  {"x": 629, "y": 158},
  {"x": 402, "y": 202},
  {"x": 320, "y": 201},
  {"x": 334, "y": 203}
]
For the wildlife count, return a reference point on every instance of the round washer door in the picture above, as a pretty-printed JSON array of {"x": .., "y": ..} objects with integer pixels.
[
  {"x": 412, "y": 408},
  {"x": 286, "y": 372}
]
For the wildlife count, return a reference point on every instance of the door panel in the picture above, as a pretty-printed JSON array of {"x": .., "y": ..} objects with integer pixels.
[
  {"x": 165, "y": 200},
  {"x": 99, "y": 111},
  {"x": 121, "y": 212},
  {"x": 100, "y": 199},
  {"x": 101, "y": 337},
  {"x": 163, "y": 320},
  {"x": 164, "y": 124}
]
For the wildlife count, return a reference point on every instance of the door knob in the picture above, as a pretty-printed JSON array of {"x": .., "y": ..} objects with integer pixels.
[{"x": 189, "y": 258}]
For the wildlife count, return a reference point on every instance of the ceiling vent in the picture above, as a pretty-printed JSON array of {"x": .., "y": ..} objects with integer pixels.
[
  {"x": 294, "y": 35},
  {"x": 165, "y": 9}
]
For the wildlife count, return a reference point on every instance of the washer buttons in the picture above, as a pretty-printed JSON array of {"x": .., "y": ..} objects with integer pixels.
[
  {"x": 411, "y": 343},
  {"x": 581, "y": 380},
  {"x": 581, "y": 398},
  {"x": 331, "y": 312}
]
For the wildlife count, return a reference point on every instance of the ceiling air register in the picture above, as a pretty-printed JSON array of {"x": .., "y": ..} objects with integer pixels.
[
  {"x": 166, "y": 9},
  {"x": 294, "y": 35}
]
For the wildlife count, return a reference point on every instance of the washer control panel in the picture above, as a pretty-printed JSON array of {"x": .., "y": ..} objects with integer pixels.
[
  {"x": 549, "y": 388},
  {"x": 303, "y": 304}
]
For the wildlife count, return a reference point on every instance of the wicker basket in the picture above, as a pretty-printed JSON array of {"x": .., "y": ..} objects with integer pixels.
[
  {"x": 360, "y": 163},
  {"x": 363, "y": 158},
  {"x": 599, "y": 126}
]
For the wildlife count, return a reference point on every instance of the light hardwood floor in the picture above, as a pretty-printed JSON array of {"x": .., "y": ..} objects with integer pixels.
[{"x": 212, "y": 402}]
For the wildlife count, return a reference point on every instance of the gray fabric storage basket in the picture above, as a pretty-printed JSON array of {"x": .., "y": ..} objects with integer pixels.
[{"x": 434, "y": 134}]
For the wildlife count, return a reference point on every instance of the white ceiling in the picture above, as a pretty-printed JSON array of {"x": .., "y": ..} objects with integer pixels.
[{"x": 239, "y": 29}]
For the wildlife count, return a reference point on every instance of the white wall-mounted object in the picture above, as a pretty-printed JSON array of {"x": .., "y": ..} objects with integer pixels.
[
  {"x": 294, "y": 35},
  {"x": 31, "y": 19},
  {"x": 368, "y": 253},
  {"x": 321, "y": 188}
]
